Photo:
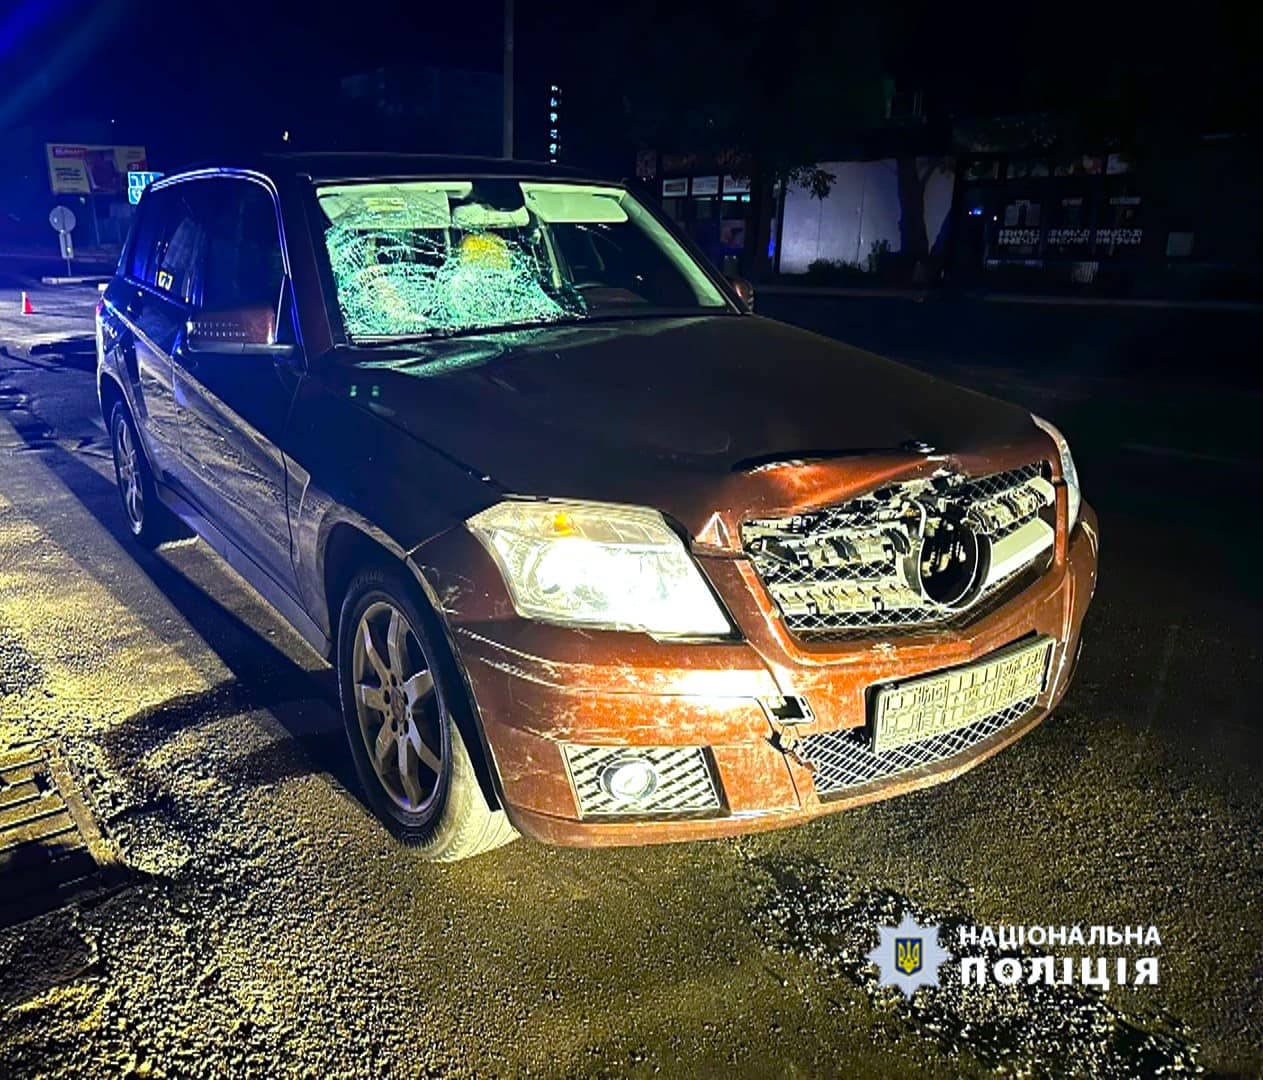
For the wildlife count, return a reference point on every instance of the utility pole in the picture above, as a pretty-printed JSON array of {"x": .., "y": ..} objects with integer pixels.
[{"x": 507, "y": 146}]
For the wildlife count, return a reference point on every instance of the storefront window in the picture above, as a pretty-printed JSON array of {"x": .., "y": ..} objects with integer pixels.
[
  {"x": 1070, "y": 225},
  {"x": 1019, "y": 228},
  {"x": 1120, "y": 232}
]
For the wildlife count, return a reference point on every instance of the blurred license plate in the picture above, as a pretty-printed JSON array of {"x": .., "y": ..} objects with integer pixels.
[{"x": 922, "y": 708}]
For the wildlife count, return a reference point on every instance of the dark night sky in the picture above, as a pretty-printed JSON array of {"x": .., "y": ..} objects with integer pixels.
[
  {"x": 178, "y": 77},
  {"x": 175, "y": 74}
]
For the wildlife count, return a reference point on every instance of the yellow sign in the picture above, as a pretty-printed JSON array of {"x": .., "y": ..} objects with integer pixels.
[{"x": 77, "y": 169}]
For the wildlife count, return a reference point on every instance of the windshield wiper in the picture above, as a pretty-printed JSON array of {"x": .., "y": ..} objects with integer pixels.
[
  {"x": 536, "y": 324},
  {"x": 464, "y": 331}
]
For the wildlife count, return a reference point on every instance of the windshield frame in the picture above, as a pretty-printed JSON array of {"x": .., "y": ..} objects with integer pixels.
[{"x": 328, "y": 286}]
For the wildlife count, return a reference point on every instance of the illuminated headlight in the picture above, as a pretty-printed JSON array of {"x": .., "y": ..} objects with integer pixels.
[
  {"x": 592, "y": 564},
  {"x": 1068, "y": 471}
]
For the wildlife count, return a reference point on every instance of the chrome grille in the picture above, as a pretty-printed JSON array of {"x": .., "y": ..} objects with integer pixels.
[
  {"x": 845, "y": 759},
  {"x": 685, "y": 783},
  {"x": 846, "y": 569}
]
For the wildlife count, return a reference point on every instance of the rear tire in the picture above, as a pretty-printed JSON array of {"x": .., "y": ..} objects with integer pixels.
[
  {"x": 398, "y": 691},
  {"x": 148, "y": 520}
]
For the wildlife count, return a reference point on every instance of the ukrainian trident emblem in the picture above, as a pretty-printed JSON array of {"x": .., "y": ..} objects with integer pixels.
[{"x": 908, "y": 955}]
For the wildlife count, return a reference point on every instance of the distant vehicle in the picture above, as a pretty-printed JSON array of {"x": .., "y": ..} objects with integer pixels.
[{"x": 599, "y": 555}]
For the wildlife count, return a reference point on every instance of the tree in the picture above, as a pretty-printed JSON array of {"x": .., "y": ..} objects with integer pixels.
[{"x": 765, "y": 90}]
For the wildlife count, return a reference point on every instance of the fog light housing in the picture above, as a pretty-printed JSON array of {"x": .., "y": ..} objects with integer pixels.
[
  {"x": 641, "y": 781},
  {"x": 629, "y": 780}
]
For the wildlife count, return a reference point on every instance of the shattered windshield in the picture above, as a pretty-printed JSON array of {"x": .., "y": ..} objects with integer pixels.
[{"x": 435, "y": 257}]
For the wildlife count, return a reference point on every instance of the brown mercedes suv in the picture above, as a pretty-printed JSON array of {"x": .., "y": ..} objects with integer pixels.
[{"x": 599, "y": 555}]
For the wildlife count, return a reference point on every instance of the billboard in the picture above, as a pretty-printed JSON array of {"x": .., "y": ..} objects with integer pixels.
[{"x": 76, "y": 169}]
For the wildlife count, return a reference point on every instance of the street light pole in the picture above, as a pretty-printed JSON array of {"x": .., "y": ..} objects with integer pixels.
[{"x": 507, "y": 145}]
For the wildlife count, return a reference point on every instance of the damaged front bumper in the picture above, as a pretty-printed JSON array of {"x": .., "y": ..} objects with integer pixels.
[{"x": 720, "y": 738}]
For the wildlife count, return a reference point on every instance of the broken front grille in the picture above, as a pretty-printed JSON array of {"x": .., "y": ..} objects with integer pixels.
[
  {"x": 841, "y": 760},
  {"x": 921, "y": 553}
]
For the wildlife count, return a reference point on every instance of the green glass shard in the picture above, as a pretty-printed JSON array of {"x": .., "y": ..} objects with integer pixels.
[{"x": 394, "y": 280}]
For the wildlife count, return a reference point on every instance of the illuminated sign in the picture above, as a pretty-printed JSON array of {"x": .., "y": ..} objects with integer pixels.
[
  {"x": 137, "y": 182},
  {"x": 736, "y": 185},
  {"x": 554, "y": 131},
  {"x": 706, "y": 185},
  {"x": 674, "y": 189},
  {"x": 91, "y": 170}
]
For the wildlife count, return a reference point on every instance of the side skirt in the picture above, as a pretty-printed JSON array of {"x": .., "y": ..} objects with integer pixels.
[{"x": 257, "y": 578}]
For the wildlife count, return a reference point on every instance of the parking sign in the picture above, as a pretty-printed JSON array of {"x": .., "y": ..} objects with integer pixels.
[{"x": 137, "y": 182}]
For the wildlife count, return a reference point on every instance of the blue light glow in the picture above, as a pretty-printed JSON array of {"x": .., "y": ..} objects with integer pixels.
[
  {"x": 554, "y": 134},
  {"x": 137, "y": 182}
]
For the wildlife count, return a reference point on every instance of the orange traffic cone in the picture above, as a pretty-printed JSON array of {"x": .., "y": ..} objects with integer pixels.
[{"x": 26, "y": 305}]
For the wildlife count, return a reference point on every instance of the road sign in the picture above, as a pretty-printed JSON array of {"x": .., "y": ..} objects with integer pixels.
[
  {"x": 61, "y": 218},
  {"x": 137, "y": 182}
]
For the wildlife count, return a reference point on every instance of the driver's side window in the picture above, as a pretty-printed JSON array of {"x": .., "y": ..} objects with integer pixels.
[{"x": 243, "y": 268}]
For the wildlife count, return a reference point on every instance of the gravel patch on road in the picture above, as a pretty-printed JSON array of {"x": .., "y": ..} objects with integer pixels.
[{"x": 830, "y": 919}]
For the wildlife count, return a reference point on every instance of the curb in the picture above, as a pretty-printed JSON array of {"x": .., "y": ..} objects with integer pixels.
[
  {"x": 1111, "y": 301},
  {"x": 840, "y": 290},
  {"x": 1035, "y": 300}
]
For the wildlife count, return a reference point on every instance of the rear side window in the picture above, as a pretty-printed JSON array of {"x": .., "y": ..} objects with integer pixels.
[
  {"x": 170, "y": 243},
  {"x": 180, "y": 254},
  {"x": 145, "y": 238}
]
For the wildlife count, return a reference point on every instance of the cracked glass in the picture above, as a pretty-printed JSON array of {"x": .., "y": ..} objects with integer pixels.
[{"x": 431, "y": 258}]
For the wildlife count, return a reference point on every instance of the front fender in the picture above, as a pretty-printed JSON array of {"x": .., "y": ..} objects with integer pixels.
[{"x": 346, "y": 463}]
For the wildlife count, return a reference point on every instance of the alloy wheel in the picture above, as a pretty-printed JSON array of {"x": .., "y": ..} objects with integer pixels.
[
  {"x": 398, "y": 707},
  {"x": 127, "y": 461}
]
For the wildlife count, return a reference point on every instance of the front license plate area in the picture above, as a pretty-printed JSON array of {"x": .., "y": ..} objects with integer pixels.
[{"x": 921, "y": 708}]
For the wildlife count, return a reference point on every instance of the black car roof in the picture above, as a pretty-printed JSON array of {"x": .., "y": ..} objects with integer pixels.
[{"x": 356, "y": 165}]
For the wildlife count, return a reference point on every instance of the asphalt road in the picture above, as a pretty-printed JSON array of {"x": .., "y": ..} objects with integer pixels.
[{"x": 270, "y": 925}]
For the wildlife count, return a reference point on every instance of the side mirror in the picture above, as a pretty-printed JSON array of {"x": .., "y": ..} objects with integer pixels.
[
  {"x": 242, "y": 331},
  {"x": 744, "y": 291}
]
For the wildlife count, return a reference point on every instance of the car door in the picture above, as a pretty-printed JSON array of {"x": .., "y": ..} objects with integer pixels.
[
  {"x": 233, "y": 408},
  {"x": 153, "y": 301}
]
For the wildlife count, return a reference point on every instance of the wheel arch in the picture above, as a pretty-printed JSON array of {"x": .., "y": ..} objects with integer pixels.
[
  {"x": 108, "y": 392},
  {"x": 347, "y": 551}
]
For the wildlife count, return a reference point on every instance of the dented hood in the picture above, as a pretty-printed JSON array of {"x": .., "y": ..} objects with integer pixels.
[{"x": 699, "y": 416}]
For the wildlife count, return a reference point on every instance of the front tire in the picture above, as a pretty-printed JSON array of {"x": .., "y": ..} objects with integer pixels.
[{"x": 398, "y": 693}]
